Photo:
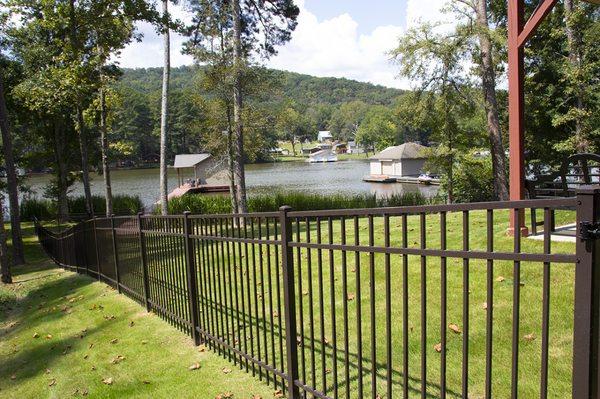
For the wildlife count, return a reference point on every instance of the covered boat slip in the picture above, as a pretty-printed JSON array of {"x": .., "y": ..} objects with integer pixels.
[{"x": 208, "y": 172}]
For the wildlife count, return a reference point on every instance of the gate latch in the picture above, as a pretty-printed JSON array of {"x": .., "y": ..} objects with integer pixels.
[{"x": 589, "y": 231}]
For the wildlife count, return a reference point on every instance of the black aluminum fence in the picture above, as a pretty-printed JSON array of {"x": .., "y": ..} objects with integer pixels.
[{"x": 429, "y": 301}]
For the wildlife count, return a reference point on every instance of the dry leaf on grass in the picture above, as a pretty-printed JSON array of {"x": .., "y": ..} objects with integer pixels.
[
  {"x": 114, "y": 340},
  {"x": 194, "y": 366},
  {"x": 500, "y": 279},
  {"x": 350, "y": 296},
  {"x": 131, "y": 323},
  {"x": 52, "y": 382},
  {"x": 146, "y": 382},
  {"x": 454, "y": 328},
  {"x": 13, "y": 377},
  {"x": 278, "y": 394},
  {"x": 47, "y": 371},
  {"x": 49, "y": 336},
  {"x": 36, "y": 335},
  {"x": 529, "y": 337},
  {"x": 484, "y": 305},
  {"x": 438, "y": 347},
  {"x": 224, "y": 395},
  {"x": 201, "y": 348},
  {"x": 107, "y": 381},
  {"x": 117, "y": 359},
  {"x": 256, "y": 397}
]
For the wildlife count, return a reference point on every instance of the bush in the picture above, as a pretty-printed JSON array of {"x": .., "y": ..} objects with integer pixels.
[
  {"x": 473, "y": 180},
  {"x": 203, "y": 204},
  {"x": 122, "y": 205},
  {"x": 41, "y": 209}
]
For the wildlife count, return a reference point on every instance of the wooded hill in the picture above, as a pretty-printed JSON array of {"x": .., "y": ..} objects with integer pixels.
[{"x": 297, "y": 87}]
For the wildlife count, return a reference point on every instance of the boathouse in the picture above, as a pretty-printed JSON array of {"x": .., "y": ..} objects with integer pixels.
[{"x": 406, "y": 160}]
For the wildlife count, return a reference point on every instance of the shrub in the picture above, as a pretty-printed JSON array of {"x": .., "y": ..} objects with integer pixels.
[
  {"x": 122, "y": 205},
  {"x": 473, "y": 180},
  {"x": 41, "y": 209}
]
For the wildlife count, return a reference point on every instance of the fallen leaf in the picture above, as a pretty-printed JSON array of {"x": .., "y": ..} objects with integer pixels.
[
  {"x": 47, "y": 371},
  {"x": 146, "y": 382},
  {"x": 350, "y": 296},
  {"x": 438, "y": 347},
  {"x": 93, "y": 368},
  {"x": 85, "y": 356},
  {"x": 194, "y": 366},
  {"x": 529, "y": 337},
  {"x": 275, "y": 314},
  {"x": 256, "y": 397},
  {"x": 454, "y": 328},
  {"x": 484, "y": 305},
  {"x": 225, "y": 370},
  {"x": 278, "y": 393},
  {"x": 52, "y": 382},
  {"x": 131, "y": 323},
  {"x": 144, "y": 342},
  {"x": 500, "y": 279},
  {"x": 225, "y": 395},
  {"x": 117, "y": 359},
  {"x": 90, "y": 346},
  {"x": 13, "y": 377},
  {"x": 201, "y": 348},
  {"x": 49, "y": 336},
  {"x": 84, "y": 392},
  {"x": 114, "y": 340},
  {"x": 108, "y": 381}
]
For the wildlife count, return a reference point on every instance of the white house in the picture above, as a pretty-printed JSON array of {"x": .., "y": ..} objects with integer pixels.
[
  {"x": 407, "y": 159},
  {"x": 324, "y": 135}
]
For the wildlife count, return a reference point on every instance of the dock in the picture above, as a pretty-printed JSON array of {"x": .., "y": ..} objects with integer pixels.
[
  {"x": 400, "y": 179},
  {"x": 200, "y": 189}
]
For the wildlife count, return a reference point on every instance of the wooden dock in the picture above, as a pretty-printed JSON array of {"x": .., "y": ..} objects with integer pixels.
[{"x": 400, "y": 179}]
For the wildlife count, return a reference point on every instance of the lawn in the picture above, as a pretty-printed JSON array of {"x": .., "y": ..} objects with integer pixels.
[{"x": 66, "y": 335}]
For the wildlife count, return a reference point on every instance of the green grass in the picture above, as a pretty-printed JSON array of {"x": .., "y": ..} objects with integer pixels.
[{"x": 77, "y": 312}]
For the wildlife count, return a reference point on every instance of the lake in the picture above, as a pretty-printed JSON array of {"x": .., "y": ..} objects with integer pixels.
[{"x": 342, "y": 177}]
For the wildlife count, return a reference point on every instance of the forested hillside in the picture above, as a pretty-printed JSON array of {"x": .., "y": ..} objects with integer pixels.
[{"x": 296, "y": 87}]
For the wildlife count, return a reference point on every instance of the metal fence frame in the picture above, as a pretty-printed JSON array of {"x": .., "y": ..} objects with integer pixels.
[{"x": 210, "y": 289}]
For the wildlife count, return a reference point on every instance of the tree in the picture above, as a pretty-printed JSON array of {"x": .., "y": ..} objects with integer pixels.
[
  {"x": 164, "y": 111},
  {"x": 292, "y": 126},
  {"x": 346, "y": 120},
  {"x": 378, "y": 129},
  {"x": 443, "y": 103},
  {"x": 240, "y": 29},
  {"x": 9, "y": 162},
  {"x": 5, "y": 265}
]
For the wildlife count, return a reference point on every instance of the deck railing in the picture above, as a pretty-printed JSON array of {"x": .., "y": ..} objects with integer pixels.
[{"x": 430, "y": 301}]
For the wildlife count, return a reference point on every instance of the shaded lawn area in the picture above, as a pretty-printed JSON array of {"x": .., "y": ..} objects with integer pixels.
[{"x": 57, "y": 339}]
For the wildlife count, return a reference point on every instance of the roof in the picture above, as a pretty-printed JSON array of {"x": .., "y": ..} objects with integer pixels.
[
  {"x": 324, "y": 133},
  {"x": 404, "y": 151},
  {"x": 189, "y": 160}
]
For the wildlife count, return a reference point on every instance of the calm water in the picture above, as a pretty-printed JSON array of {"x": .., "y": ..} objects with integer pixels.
[{"x": 343, "y": 177}]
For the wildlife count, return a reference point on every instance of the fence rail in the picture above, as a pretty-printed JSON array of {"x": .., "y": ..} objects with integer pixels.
[{"x": 429, "y": 301}]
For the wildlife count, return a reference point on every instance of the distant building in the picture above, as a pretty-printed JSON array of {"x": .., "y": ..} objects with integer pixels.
[
  {"x": 403, "y": 160},
  {"x": 310, "y": 150},
  {"x": 204, "y": 166},
  {"x": 324, "y": 135},
  {"x": 354, "y": 148},
  {"x": 340, "y": 148}
]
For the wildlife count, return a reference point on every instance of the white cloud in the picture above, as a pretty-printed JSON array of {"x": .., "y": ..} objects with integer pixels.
[
  {"x": 334, "y": 48},
  {"x": 418, "y": 11},
  {"x": 149, "y": 52}
]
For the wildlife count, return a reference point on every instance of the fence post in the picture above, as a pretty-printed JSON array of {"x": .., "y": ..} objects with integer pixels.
[
  {"x": 114, "y": 244},
  {"x": 143, "y": 260},
  {"x": 96, "y": 248},
  {"x": 190, "y": 262},
  {"x": 289, "y": 298},
  {"x": 586, "y": 332}
]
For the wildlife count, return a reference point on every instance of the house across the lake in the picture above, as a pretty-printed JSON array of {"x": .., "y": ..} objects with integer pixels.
[
  {"x": 399, "y": 163},
  {"x": 324, "y": 135}
]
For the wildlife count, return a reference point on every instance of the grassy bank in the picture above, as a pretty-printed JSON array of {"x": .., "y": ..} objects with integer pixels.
[
  {"x": 57, "y": 340},
  {"x": 45, "y": 209}
]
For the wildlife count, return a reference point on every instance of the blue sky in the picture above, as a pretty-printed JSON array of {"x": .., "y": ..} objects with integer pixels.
[{"x": 339, "y": 38}]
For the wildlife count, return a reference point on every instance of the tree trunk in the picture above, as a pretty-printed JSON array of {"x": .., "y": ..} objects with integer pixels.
[
  {"x": 232, "y": 187},
  {"x": 488, "y": 84},
  {"x": 59, "y": 154},
  {"x": 574, "y": 43},
  {"x": 238, "y": 142},
  {"x": 164, "y": 112},
  {"x": 11, "y": 179},
  {"x": 294, "y": 145},
  {"x": 85, "y": 171},
  {"x": 104, "y": 148},
  {"x": 5, "y": 275}
]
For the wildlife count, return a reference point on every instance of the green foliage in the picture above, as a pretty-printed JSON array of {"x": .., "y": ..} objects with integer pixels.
[
  {"x": 378, "y": 129},
  {"x": 216, "y": 204},
  {"x": 45, "y": 209},
  {"x": 473, "y": 180}
]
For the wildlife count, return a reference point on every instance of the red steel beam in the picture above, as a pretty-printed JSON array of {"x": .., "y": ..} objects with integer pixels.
[{"x": 534, "y": 21}]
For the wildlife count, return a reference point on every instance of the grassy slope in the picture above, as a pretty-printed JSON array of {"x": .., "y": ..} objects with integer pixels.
[{"x": 48, "y": 301}]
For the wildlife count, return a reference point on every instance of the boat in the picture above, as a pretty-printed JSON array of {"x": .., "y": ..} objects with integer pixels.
[
  {"x": 426, "y": 178},
  {"x": 322, "y": 156}
]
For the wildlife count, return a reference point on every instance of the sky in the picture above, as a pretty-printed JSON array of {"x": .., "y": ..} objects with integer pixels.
[{"x": 334, "y": 38}]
